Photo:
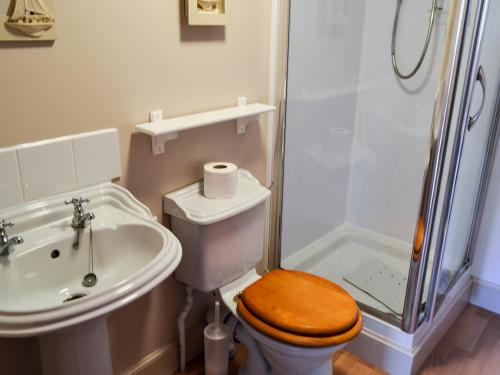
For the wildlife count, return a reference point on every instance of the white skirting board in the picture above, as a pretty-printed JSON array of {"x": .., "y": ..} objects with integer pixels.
[
  {"x": 486, "y": 295},
  {"x": 405, "y": 358}
]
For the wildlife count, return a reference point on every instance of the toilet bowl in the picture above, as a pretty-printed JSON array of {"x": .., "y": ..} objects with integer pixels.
[
  {"x": 281, "y": 350},
  {"x": 291, "y": 322},
  {"x": 284, "y": 359}
]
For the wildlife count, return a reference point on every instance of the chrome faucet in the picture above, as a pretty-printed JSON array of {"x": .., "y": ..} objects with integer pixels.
[
  {"x": 80, "y": 218},
  {"x": 6, "y": 244}
]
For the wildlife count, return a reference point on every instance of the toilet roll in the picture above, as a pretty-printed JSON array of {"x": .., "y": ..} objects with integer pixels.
[{"x": 220, "y": 180}]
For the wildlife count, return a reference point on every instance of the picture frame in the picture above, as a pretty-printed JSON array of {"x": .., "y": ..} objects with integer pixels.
[{"x": 207, "y": 12}]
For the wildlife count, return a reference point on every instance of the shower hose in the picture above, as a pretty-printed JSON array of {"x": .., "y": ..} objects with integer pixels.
[{"x": 426, "y": 44}]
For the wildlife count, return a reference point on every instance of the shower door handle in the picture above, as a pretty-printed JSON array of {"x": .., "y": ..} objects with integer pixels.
[{"x": 481, "y": 78}]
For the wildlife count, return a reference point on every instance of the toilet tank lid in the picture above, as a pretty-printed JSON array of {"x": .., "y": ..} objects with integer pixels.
[{"x": 190, "y": 204}]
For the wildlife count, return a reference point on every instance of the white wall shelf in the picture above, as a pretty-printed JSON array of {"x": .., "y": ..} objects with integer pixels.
[{"x": 165, "y": 130}]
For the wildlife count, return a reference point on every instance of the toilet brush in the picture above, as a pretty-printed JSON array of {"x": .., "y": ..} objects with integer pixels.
[{"x": 216, "y": 346}]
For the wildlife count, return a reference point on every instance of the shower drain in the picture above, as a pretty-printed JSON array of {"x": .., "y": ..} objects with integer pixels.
[{"x": 73, "y": 297}]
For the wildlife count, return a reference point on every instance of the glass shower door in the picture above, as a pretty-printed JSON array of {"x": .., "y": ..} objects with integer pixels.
[
  {"x": 357, "y": 142},
  {"x": 473, "y": 147}
]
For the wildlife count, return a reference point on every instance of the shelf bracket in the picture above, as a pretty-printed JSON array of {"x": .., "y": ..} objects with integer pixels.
[
  {"x": 158, "y": 142},
  {"x": 242, "y": 123}
]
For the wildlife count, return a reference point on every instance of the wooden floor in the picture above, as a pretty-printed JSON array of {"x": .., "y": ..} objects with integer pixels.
[
  {"x": 344, "y": 363},
  {"x": 471, "y": 347}
]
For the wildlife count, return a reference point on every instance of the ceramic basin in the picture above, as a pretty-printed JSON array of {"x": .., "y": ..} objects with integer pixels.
[{"x": 41, "y": 282}]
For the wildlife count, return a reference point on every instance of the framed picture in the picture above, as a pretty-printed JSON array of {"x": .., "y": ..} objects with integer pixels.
[
  {"x": 27, "y": 20},
  {"x": 207, "y": 12}
]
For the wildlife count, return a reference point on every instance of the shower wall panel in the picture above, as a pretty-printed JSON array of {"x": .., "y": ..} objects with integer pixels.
[
  {"x": 324, "y": 62},
  {"x": 393, "y": 119}
]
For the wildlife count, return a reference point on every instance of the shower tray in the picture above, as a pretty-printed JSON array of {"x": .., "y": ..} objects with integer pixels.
[{"x": 380, "y": 281}]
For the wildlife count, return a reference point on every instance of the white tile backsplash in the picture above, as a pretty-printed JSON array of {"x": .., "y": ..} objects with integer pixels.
[
  {"x": 97, "y": 157},
  {"x": 11, "y": 192},
  {"x": 47, "y": 168},
  {"x": 36, "y": 170}
]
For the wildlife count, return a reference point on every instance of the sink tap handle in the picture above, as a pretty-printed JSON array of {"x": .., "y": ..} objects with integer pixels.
[
  {"x": 77, "y": 201},
  {"x": 5, "y": 224},
  {"x": 6, "y": 244},
  {"x": 72, "y": 201}
]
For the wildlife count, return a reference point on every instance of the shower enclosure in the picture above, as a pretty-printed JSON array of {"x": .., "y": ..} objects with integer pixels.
[{"x": 379, "y": 188}]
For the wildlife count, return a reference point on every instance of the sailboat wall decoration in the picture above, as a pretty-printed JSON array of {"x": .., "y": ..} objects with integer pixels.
[{"x": 29, "y": 20}]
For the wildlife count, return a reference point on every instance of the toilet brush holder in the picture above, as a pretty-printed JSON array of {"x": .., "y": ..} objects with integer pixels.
[{"x": 216, "y": 346}]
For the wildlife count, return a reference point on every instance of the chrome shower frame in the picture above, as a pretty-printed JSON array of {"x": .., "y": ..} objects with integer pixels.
[
  {"x": 465, "y": 121},
  {"x": 432, "y": 187}
]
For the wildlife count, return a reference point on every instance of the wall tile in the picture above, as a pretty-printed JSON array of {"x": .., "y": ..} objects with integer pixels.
[
  {"x": 47, "y": 168},
  {"x": 97, "y": 157},
  {"x": 11, "y": 192}
]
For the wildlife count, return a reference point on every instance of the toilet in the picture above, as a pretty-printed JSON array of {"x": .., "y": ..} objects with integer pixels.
[{"x": 290, "y": 321}]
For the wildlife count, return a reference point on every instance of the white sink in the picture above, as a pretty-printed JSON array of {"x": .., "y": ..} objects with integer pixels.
[{"x": 132, "y": 254}]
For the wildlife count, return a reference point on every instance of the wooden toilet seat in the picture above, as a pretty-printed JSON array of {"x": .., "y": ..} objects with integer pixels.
[{"x": 300, "y": 309}]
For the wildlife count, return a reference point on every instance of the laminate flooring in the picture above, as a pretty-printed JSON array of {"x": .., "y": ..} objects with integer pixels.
[{"x": 470, "y": 347}]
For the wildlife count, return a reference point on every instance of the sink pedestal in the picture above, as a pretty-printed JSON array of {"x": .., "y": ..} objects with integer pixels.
[{"x": 79, "y": 350}]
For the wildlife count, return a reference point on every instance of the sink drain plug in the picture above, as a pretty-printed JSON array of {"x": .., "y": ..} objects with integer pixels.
[{"x": 89, "y": 280}]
